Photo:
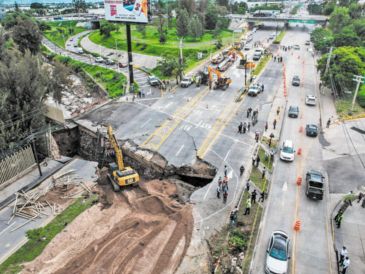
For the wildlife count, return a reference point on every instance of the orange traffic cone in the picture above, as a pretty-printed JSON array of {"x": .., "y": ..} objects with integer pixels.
[
  {"x": 297, "y": 225},
  {"x": 299, "y": 151},
  {"x": 301, "y": 129},
  {"x": 299, "y": 180}
]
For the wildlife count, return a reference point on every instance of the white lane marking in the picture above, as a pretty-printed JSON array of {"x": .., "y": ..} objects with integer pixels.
[
  {"x": 285, "y": 186},
  {"x": 225, "y": 158},
  {"x": 178, "y": 152},
  {"x": 9, "y": 226},
  {"x": 145, "y": 123},
  {"x": 186, "y": 127}
]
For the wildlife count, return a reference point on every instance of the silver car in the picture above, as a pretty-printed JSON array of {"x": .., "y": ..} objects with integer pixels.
[{"x": 277, "y": 257}]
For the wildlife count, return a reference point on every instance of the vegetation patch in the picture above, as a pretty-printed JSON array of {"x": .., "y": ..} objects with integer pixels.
[
  {"x": 113, "y": 82},
  {"x": 39, "y": 238},
  {"x": 261, "y": 65},
  {"x": 343, "y": 109},
  {"x": 279, "y": 37},
  {"x": 265, "y": 158},
  {"x": 256, "y": 178},
  {"x": 59, "y": 32}
]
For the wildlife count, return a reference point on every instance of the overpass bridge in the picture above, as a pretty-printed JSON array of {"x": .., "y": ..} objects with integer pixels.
[{"x": 283, "y": 18}]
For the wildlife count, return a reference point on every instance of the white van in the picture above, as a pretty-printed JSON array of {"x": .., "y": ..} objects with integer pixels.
[{"x": 287, "y": 151}]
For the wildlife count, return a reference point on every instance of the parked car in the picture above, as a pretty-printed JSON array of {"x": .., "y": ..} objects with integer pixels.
[
  {"x": 109, "y": 62},
  {"x": 186, "y": 82},
  {"x": 99, "y": 60},
  {"x": 315, "y": 185},
  {"x": 295, "y": 81},
  {"x": 287, "y": 152},
  {"x": 254, "y": 90},
  {"x": 277, "y": 253},
  {"x": 311, "y": 130},
  {"x": 307, "y": 43},
  {"x": 293, "y": 112},
  {"x": 153, "y": 81},
  {"x": 79, "y": 50},
  {"x": 247, "y": 47},
  {"x": 296, "y": 47},
  {"x": 310, "y": 100},
  {"x": 272, "y": 35}
]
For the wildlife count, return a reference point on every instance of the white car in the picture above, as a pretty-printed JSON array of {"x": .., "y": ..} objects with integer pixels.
[
  {"x": 254, "y": 90},
  {"x": 277, "y": 253},
  {"x": 287, "y": 152},
  {"x": 186, "y": 82},
  {"x": 310, "y": 100},
  {"x": 79, "y": 50},
  {"x": 99, "y": 60}
]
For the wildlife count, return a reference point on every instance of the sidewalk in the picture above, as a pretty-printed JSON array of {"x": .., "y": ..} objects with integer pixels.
[
  {"x": 352, "y": 235},
  {"x": 31, "y": 179},
  {"x": 139, "y": 60}
]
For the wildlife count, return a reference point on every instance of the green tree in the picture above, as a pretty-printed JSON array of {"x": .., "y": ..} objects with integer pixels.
[
  {"x": 23, "y": 88},
  {"x": 347, "y": 37},
  {"x": 356, "y": 10},
  {"x": 167, "y": 64},
  {"x": 182, "y": 23},
  {"x": 211, "y": 17},
  {"x": 36, "y": 5},
  {"x": 27, "y": 35},
  {"x": 106, "y": 28},
  {"x": 339, "y": 18},
  {"x": 314, "y": 8},
  {"x": 188, "y": 5},
  {"x": 169, "y": 15},
  {"x": 11, "y": 19},
  {"x": 329, "y": 7},
  {"x": 239, "y": 7},
  {"x": 345, "y": 63},
  {"x": 58, "y": 80},
  {"x": 359, "y": 27},
  {"x": 322, "y": 39},
  {"x": 79, "y": 5},
  {"x": 195, "y": 27},
  {"x": 161, "y": 28}
]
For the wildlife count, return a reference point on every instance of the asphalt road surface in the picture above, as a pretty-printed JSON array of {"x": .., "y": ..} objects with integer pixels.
[{"x": 287, "y": 203}]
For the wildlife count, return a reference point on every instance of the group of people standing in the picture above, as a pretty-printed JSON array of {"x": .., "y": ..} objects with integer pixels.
[{"x": 223, "y": 186}]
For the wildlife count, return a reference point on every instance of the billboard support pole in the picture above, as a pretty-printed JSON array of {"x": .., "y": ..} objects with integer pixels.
[{"x": 130, "y": 59}]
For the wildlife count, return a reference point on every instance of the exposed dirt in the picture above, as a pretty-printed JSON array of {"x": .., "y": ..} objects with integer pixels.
[{"x": 141, "y": 230}]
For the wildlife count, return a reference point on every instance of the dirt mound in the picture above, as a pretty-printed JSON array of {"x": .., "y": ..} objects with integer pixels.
[{"x": 143, "y": 230}]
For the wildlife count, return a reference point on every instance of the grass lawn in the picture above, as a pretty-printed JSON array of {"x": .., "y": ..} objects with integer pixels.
[
  {"x": 279, "y": 37},
  {"x": 40, "y": 237},
  {"x": 255, "y": 177},
  {"x": 261, "y": 65},
  {"x": 61, "y": 31},
  {"x": 112, "y": 81},
  {"x": 150, "y": 44},
  {"x": 265, "y": 160},
  {"x": 343, "y": 107}
]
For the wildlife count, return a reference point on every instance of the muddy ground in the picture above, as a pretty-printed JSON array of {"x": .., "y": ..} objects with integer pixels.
[{"x": 146, "y": 229}]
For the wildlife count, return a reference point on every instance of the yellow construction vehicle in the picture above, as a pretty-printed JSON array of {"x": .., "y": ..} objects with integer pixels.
[
  {"x": 119, "y": 175},
  {"x": 221, "y": 82},
  {"x": 233, "y": 51}
]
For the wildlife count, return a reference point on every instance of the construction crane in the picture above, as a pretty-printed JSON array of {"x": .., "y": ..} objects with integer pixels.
[
  {"x": 120, "y": 175},
  {"x": 221, "y": 82}
]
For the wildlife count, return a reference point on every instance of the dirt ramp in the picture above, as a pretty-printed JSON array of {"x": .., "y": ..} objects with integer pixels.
[{"x": 144, "y": 230}]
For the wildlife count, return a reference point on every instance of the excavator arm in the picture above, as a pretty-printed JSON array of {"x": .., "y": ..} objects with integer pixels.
[{"x": 118, "y": 151}]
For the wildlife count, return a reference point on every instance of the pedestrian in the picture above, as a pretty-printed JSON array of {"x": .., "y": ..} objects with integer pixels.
[
  {"x": 257, "y": 136},
  {"x": 225, "y": 195},
  {"x": 248, "y": 113},
  {"x": 220, "y": 181},
  {"x": 248, "y": 207},
  {"x": 339, "y": 220},
  {"x": 274, "y": 123},
  {"x": 248, "y": 185},
  {"x": 233, "y": 216},
  {"x": 242, "y": 170},
  {"x": 361, "y": 195},
  {"x": 225, "y": 171},
  {"x": 263, "y": 173},
  {"x": 244, "y": 128},
  {"x": 253, "y": 160},
  {"x": 262, "y": 196},
  {"x": 219, "y": 190},
  {"x": 328, "y": 123},
  {"x": 253, "y": 196},
  {"x": 345, "y": 265},
  {"x": 262, "y": 87},
  {"x": 248, "y": 126},
  {"x": 258, "y": 160},
  {"x": 266, "y": 126},
  {"x": 275, "y": 58},
  {"x": 240, "y": 128},
  {"x": 343, "y": 254},
  {"x": 278, "y": 111}
]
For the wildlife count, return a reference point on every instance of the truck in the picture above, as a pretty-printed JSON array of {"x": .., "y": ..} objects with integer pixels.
[{"x": 314, "y": 185}]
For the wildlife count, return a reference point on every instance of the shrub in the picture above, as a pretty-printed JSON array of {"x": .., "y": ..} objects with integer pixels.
[{"x": 361, "y": 96}]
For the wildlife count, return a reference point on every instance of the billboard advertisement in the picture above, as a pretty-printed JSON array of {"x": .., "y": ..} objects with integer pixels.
[{"x": 130, "y": 11}]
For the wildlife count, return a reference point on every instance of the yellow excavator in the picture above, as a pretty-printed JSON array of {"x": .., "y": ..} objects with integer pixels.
[
  {"x": 238, "y": 52},
  {"x": 221, "y": 82},
  {"x": 119, "y": 175}
]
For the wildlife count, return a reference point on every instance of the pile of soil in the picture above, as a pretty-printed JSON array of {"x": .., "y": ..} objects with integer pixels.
[{"x": 141, "y": 230}]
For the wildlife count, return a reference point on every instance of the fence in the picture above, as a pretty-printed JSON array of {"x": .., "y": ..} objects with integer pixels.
[{"x": 15, "y": 165}]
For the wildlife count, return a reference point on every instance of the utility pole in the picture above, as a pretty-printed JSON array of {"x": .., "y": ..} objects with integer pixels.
[
  {"x": 181, "y": 60},
  {"x": 359, "y": 80},
  {"x": 130, "y": 58},
  {"x": 328, "y": 61}
]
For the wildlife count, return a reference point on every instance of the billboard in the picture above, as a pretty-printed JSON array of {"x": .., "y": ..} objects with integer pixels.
[{"x": 130, "y": 11}]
